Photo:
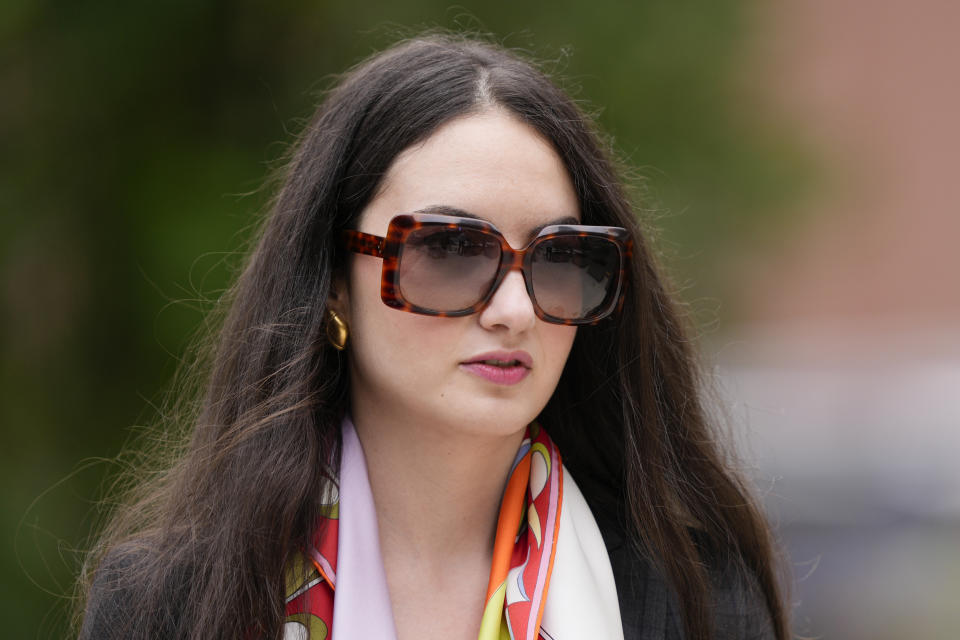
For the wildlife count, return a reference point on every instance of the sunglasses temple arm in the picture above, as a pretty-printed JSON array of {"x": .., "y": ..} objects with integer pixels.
[{"x": 365, "y": 243}]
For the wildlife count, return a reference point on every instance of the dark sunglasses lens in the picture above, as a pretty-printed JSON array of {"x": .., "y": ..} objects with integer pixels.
[
  {"x": 445, "y": 269},
  {"x": 574, "y": 277}
]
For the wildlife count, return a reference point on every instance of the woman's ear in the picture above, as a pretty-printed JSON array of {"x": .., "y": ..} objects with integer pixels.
[{"x": 338, "y": 298}]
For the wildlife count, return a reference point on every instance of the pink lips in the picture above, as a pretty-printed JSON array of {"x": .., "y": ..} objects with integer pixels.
[{"x": 500, "y": 374}]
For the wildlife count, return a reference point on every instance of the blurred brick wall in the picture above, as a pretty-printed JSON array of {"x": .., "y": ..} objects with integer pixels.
[{"x": 875, "y": 86}]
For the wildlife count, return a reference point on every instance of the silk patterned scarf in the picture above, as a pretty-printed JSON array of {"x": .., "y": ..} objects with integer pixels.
[{"x": 339, "y": 580}]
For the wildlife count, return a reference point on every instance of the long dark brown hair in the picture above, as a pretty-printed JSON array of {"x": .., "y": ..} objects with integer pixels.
[{"x": 199, "y": 545}]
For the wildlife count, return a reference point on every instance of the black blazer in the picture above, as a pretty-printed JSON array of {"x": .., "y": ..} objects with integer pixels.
[{"x": 648, "y": 608}]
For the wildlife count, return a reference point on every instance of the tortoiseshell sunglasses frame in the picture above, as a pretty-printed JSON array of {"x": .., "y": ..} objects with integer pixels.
[{"x": 390, "y": 249}]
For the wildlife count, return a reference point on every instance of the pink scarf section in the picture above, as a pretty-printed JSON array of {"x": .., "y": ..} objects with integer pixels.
[{"x": 339, "y": 582}]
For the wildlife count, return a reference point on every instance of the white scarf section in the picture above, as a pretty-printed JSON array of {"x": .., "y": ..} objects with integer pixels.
[{"x": 582, "y": 599}]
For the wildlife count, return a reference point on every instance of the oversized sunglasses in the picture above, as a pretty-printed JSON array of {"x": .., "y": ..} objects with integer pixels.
[{"x": 440, "y": 265}]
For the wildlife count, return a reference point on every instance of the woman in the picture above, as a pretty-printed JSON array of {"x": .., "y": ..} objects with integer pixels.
[{"x": 450, "y": 398}]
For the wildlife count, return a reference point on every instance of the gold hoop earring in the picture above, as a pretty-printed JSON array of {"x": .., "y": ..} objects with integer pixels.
[{"x": 337, "y": 330}]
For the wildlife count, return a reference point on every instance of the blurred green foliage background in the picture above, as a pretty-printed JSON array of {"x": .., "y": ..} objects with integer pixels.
[{"x": 130, "y": 130}]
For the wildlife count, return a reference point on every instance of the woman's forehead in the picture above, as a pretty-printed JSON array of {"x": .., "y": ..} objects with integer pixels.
[{"x": 487, "y": 166}]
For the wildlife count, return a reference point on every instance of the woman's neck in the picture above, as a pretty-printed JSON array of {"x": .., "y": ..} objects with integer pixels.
[{"x": 436, "y": 490}]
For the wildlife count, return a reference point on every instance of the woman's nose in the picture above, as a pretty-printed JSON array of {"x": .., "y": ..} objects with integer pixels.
[{"x": 510, "y": 306}]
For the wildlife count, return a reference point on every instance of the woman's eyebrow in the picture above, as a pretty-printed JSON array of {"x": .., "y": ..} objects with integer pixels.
[{"x": 446, "y": 210}]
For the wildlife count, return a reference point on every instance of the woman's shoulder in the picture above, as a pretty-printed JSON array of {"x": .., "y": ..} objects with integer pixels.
[
  {"x": 109, "y": 599},
  {"x": 114, "y": 604},
  {"x": 650, "y": 609},
  {"x": 740, "y": 607}
]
